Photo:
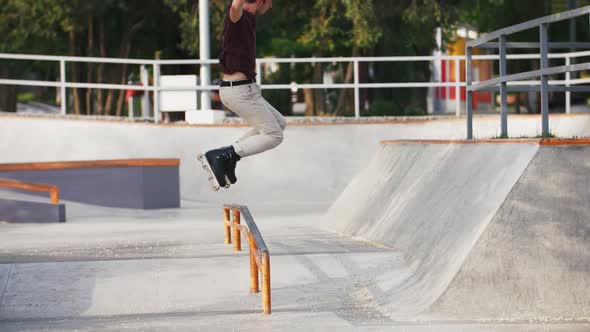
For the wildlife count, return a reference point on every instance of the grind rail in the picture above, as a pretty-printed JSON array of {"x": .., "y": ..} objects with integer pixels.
[{"x": 259, "y": 255}]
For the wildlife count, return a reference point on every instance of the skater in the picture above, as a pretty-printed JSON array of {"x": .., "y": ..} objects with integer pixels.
[{"x": 240, "y": 93}]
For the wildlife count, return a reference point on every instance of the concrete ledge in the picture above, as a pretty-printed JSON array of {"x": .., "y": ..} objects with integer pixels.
[
  {"x": 537, "y": 141},
  {"x": 137, "y": 184},
  {"x": 23, "y": 211}
]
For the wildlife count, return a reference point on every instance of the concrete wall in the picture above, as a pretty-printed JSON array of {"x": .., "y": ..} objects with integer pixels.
[{"x": 308, "y": 171}]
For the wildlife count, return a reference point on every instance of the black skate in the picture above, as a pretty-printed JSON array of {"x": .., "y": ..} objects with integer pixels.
[{"x": 220, "y": 164}]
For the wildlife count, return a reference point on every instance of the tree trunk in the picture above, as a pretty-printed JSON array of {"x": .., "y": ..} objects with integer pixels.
[
  {"x": 74, "y": 66},
  {"x": 319, "y": 97},
  {"x": 344, "y": 93},
  {"x": 90, "y": 66},
  {"x": 100, "y": 72},
  {"x": 7, "y": 93},
  {"x": 125, "y": 50},
  {"x": 308, "y": 96}
]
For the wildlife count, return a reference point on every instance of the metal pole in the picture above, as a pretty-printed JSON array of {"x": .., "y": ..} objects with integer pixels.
[
  {"x": 503, "y": 88},
  {"x": 266, "y": 300},
  {"x": 226, "y": 228},
  {"x": 572, "y": 4},
  {"x": 130, "y": 107},
  {"x": 64, "y": 98},
  {"x": 544, "y": 79},
  {"x": 259, "y": 72},
  {"x": 254, "y": 278},
  {"x": 145, "y": 101},
  {"x": 204, "y": 52},
  {"x": 237, "y": 238},
  {"x": 458, "y": 87},
  {"x": 357, "y": 105},
  {"x": 469, "y": 96},
  {"x": 156, "y": 92},
  {"x": 568, "y": 94}
]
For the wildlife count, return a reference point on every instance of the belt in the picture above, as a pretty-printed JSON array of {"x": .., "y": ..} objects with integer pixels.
[{"x": 235, "y": 83}]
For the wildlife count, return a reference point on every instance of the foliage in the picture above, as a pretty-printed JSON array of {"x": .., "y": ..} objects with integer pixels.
[{"x": 303, "y": 28}]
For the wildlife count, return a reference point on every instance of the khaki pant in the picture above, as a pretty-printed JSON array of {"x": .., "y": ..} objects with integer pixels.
[{"x": 268, "y": 124}]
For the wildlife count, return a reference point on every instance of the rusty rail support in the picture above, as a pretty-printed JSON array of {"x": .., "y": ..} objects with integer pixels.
[
  {"x": 259, "y": 255},
  {"x": 237, "y": 237},
  {"x": 227, "y": 227},
  {"x": 266, "y": 282},
  {"x": 254, "y": 279}
]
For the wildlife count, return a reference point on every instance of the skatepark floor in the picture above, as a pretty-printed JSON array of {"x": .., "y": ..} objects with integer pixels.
[{"x": 168, "y": 270}]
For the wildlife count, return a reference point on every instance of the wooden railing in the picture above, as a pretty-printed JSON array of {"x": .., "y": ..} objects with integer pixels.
[
  {"x": 259, "y": 255},
  {"x": 39, "y": 187}
]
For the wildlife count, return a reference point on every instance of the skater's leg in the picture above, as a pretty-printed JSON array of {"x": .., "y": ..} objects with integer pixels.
[
  {"x": 280, "y": 118},
  {"x": 247, "y": 102},
  {"x": 249, "y": 133},
  {"x": 277, "y": 115}
]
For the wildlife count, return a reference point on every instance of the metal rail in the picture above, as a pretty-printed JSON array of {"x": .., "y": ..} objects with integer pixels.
[
  {"x": 529, "y": 25},
  {"x": 501, "y": 83},
  {"x": 356, "y": 85},
  {"x": 259, "y": 255},
  {"x": 38, "y": 187}
]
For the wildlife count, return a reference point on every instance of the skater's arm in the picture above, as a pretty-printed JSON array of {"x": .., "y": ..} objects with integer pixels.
[{"x": 235, "y": 11}]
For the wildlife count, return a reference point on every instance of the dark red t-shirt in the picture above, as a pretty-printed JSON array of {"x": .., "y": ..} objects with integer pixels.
[{"x": 238, "y": 45}]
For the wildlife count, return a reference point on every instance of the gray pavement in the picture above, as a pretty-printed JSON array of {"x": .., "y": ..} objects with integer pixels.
[{"x": 113, "y": 269}]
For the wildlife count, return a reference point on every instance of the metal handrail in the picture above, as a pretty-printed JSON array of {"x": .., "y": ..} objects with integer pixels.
[
  {"x": 259, "y": 254},
  {"x": 53, "y": 190},
  {"x": 529, "y": 25},
  {"x": 501, "y": 83},
  {"x": 156, "y": 88},
  {"x": 528, "y": 74}
]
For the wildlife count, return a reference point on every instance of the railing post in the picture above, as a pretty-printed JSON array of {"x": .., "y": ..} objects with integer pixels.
[
  {"x": 266, "y": 302},
  {"x": 64, "y": 97},
  {"x": 54, "y": 195},
  {"x": 457, "y": 87},
  {"x": 544, "y": 79},
  {"x": 156, "y": 92},
  {"x": 227, "y": 228},
  {"x": 145, "y": 100},
  {"x": 357, "y": 107},
  {"x": 469, "y": 93},
  {"x": 237, "y": 238},
  {"x": 503, "y": 89},
  {"x": 259, "y": 72},
  {"x": 253, "y": 266},
  {"x": 568, "y": 94}
]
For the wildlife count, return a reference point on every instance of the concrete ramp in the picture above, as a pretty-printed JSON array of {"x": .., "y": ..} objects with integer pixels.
[
  {"x": 533, "y": 260},
  {"x": 433, "y": 201}
]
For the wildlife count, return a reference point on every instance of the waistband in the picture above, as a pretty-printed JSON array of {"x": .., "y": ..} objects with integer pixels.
[{"x": 236, "y": 83}]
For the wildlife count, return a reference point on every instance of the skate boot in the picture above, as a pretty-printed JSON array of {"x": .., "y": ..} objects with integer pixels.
[
  {"x": 230, "y": 171},
  {"x": 219, "y": 163}
]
